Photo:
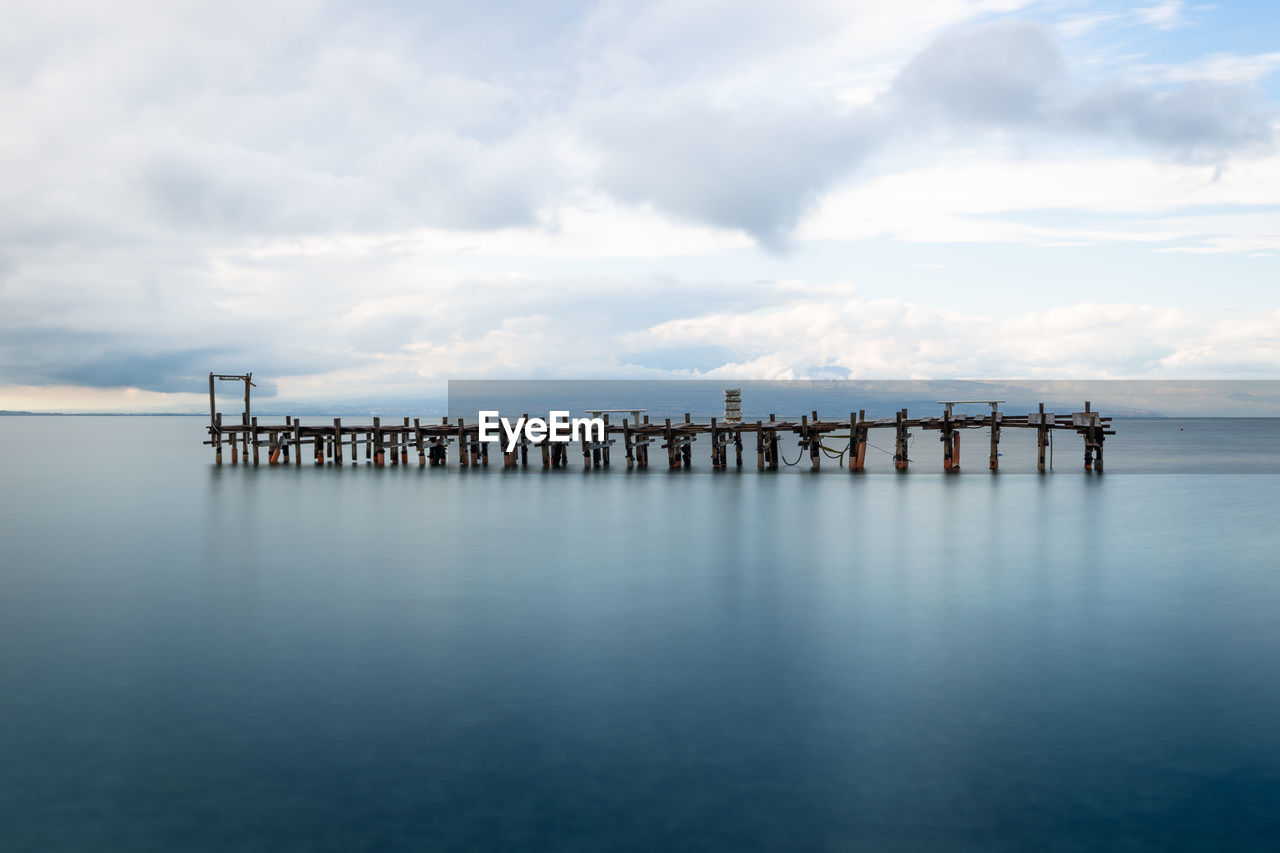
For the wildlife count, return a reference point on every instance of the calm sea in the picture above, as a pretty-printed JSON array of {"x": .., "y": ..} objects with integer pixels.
[{"x": 201, "y": 658}]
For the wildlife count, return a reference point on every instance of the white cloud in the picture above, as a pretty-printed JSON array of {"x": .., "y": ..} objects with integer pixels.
[
  {"x": 979, "y": 199},
  {"x": 892, "y": 339},
  {"x": 1164, "y": 15},
  {"x": 378, "y": 196}
]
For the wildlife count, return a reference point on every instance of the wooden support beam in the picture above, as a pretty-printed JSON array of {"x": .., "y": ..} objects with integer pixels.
[
  {"x": 337, "y": 441},
  {"x": 815, "y": 444},
  {"x": 1042, "y": 435},
  {"x": 900, "y": 459},
  {"x": 862, "y": 439},
  {"x": 994, "y": 457},
  {"x": 853, "y": 442},
  {"x": 715, "y": 446},
  {"x": 686, "y": 447},
  {"x": 604, "y": 451},
  {"x": 524, "y": 445},
  {"x": 1088, "y": 440},
  {"x": 945, "y": 437}
]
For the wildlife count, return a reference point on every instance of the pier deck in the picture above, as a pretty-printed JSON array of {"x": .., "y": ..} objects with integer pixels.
[{"x": 391, "y": 442}]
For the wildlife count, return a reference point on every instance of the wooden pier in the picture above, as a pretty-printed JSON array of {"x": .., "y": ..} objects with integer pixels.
[{"x": 842, "y": 440}]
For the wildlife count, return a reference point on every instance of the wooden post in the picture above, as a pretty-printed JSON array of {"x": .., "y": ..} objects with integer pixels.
[
  {"x": 524, "y": 445},
  {"x": 337, "y": 441},
  {"x": 853, "y": 442},
  {"x": 253, "y": 425},
  {"x": 771, "y": 445},
  {"x": 379, "y": 457},
  {"x": 862, "y": 439},
  {"x": 815, "y": 445},
  {"x": 955, "y": 452},
  {"x": 900, "y": 441},
  {"x": 1042, "y": 435},
  {"x": 946, "y": 439},
  {"x": 213, "y": 413},
  {"x": 994, "y": 458},
  {"x": 626, "y": 444},
  {"x": 673, "y": 460},
  {"x": 642, "y": 450},
  {"x": 284, "y": 438},
  {"x": 686, "y": 446},
  {"x": 463, "y": 452},
  {"x": 759, "y": 445},
  {"x": 604, "y": 451},
  {"x": 1088, "y": 439},
  {"x": 297, "y": 441},
  {"x": 217, "y": 436},
  {"x": 715, "y": 446},
  {"x": 737, "y": 444}
]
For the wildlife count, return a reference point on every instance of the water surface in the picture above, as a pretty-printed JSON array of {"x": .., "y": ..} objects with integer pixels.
[{"x": 285, "y": 658}]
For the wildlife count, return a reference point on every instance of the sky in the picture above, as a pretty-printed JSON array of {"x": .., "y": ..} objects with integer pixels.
[{"x": 361, "y": 201}]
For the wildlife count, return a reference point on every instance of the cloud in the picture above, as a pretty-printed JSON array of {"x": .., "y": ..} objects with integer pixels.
[
  {"x": 1164, "y": 15},
  {"x": 1200, "y": 121},
  {"x": 1009, "y": 74},
  {"x": 761, "y": 167},
  {"x": 894, "y": 338},
  {"x": 998, "y": 71},
  {"x": 757, "y": 167},
  {"x": 378, "y": 196}
]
